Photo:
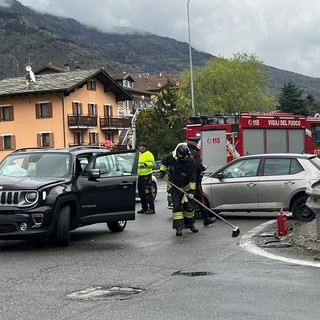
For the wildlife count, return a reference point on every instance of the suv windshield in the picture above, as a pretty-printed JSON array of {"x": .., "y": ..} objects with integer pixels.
[{"x": 49, "y": 165}]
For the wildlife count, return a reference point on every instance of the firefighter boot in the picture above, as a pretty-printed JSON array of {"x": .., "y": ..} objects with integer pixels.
[
  {"x": 179, "y": 232},
  {"x": 193, "y": 229},
  {"x": 208, "y": 221}
]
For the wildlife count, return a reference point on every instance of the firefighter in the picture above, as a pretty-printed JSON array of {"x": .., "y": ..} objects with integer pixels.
[
  {"x": 182, "y": 172},
  {"x": 192, "y": 144},
  {"x": 146, "y": 162}
]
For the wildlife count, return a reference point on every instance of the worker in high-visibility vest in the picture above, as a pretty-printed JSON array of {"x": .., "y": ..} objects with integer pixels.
[{"x": 145, "y": 164}]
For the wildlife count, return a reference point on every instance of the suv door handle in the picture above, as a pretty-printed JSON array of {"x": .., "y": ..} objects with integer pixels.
[
  {"x": 290, "y": 182},
  {"x": 251, "y": 184},
  {"x": 126, "y": 184}
]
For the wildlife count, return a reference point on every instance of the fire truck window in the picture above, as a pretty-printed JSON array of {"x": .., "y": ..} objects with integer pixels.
[{"x": 315, "y": 133}]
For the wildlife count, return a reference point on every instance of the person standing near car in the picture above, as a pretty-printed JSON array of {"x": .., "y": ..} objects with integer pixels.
[
  {"x": 192, "y": 144},
  {"x": 145, "y": 164},
  {"x": 181, "y": 171}
]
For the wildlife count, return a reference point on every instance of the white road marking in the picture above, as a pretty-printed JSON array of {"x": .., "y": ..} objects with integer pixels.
[{"x": 248, "y": 244}]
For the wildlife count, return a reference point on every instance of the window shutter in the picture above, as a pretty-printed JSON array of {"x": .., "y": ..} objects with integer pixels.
[
  {"x": 13, "y": 142},
  {"x": 51, "y": 140},
  {"x": 74, "y": 108},
  {"x": 1, "y": 143},
  {"x": 11, "y": 116},
  {"x": 38, "y": 140},
  {"x": 80, "y": 108},
  {"x": 37, "y": 110},
  {"x": 50, "y": 109}
]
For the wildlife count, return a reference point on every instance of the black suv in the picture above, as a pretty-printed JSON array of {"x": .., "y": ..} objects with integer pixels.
[{"x": 45, "y": 193}]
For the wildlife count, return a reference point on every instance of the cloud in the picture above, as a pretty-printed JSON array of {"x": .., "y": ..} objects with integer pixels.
[
  {"x": 282, "y": 33},
  {"x": 6, "y": 3}
]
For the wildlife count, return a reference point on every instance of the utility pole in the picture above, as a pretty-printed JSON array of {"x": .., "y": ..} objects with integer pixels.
[{"x": 190, "y": 58}]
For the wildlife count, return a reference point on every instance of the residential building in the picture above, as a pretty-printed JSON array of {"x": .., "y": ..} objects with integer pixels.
[
  {"x": 155, "y": 82},
  {"x": 58, "y": 108},
  {"x": 142, "y": 98}
]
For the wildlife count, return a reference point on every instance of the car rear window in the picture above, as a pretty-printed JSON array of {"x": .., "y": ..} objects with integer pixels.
[{"x": 280, "y": 166}]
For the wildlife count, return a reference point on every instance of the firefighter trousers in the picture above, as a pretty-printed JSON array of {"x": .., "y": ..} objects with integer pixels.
[{"x": 182, "y": 211}]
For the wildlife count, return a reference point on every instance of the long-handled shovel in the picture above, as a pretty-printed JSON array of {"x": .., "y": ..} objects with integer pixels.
[{"x": 235, "y": 231}]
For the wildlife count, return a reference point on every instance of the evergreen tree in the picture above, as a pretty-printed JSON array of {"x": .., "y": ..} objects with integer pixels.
[
  {"x": 291, "y": 100},
  {"x": 162, "y": 127},
  {"x": 312, "y": 105}
]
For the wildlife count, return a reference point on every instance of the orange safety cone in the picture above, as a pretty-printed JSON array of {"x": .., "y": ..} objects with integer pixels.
[{"x": 282, "y": 223}]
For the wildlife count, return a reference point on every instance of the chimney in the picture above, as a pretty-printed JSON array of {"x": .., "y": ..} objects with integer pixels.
[
  {"x": 28, "y": 81},
  {"x": 66, "y": 67},
  {"x": 77, "y": 68}
]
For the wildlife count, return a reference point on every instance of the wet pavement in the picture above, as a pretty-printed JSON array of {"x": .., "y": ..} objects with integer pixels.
[{"x": 300, "y": 243}]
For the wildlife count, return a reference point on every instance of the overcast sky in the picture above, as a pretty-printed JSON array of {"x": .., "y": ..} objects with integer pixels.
[{"x": 282, "y": 33}]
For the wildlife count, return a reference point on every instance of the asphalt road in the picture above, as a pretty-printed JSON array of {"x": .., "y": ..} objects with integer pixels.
[{"x": 146, "y": 272}]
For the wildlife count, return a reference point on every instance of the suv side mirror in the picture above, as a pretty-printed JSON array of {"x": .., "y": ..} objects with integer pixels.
[{"x": 94, "y": 174}]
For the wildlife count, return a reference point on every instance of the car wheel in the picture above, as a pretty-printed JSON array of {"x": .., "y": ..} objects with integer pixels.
[
  {"x": 62, "y": 229},
  {"x": 117, "y": 226},
  {"x": 300, "y": 211},
  {"x": 154, "y": 190}
]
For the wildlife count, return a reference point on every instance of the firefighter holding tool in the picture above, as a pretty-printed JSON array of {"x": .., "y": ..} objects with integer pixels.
[{"x": 181, "y": 170}]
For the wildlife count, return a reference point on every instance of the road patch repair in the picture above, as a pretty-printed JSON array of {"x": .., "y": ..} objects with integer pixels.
[
  {"x": 102, "y": 293},
  {"x": 193, "y": 273},
  {"x": 254, "y": 243}
]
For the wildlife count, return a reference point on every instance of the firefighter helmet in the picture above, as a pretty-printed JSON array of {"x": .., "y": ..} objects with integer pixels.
[{"x": 183, "y": 152}]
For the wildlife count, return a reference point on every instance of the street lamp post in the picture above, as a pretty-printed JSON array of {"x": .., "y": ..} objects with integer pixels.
[{"x": 190, "y": 57}]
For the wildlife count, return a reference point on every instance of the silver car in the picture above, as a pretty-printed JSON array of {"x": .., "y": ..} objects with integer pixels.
[{"x": 263, "y": 182}]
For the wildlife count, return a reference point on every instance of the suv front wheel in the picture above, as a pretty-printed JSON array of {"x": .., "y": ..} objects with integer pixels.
[
  {"x": 117, "y": 226},
  {"x": 61, "y": 232},
  {"x": 300, "y": 211}
]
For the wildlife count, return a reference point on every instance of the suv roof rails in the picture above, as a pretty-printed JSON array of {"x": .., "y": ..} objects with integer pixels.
[
  {"x": 29, "y": 149},
  {"x": 88, "y": 147}
]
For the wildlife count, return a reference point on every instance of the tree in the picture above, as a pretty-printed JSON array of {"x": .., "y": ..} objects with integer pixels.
[
  {"x": 291, "y": 100},
  {"x": 312, "y": 105},
  {"x": 162, "y": 127},
  {"x": 228, "y": 86}
]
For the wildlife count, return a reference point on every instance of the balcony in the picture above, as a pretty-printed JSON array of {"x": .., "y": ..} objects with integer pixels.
[
  {"x": 114, "y": 123},
  {"x": 82, "y": 121}
]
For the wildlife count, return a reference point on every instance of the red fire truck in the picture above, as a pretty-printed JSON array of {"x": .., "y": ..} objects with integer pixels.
[{"x": 224, "y": 138}]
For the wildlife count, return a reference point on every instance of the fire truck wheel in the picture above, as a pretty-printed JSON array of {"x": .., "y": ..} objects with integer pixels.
[{"x": 300, "y": 211}]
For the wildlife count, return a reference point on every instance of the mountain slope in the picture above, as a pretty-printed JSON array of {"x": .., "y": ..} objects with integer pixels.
[
  {"x": 26, "y": 34},
  {"x": 30, "y": 37}
]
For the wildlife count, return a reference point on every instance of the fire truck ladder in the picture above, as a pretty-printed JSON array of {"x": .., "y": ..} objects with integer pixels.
[{"x": 232, "y": 148}]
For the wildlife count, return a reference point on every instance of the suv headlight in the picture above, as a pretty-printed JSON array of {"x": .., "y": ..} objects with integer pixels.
[{"x": 31, "y": 197}]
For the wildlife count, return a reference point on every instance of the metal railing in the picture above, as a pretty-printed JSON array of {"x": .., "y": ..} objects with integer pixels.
[
  {"x": 81, "y": 121},
  {"x": 114, "y": 123}
]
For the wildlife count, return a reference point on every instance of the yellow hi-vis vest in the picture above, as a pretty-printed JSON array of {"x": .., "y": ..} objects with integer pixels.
[{"x": 148, "y": 159}]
